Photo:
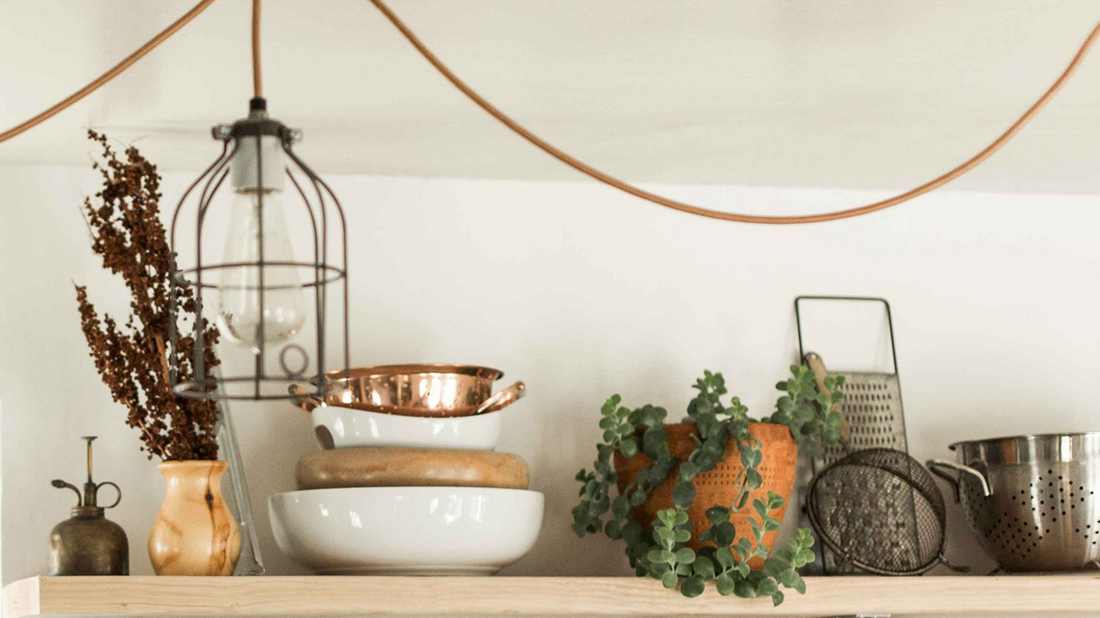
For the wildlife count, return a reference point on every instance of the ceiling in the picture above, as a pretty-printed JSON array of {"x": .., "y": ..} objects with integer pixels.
[{"x": 842, "y": 93}]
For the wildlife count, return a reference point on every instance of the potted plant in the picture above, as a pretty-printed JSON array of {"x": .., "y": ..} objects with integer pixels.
[
  {"x": 194, "y": 533},
  {"x": 682, "y": 488}
]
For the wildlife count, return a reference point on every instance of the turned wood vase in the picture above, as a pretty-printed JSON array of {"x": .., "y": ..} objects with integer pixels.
[{"x": 194, "y": 533}]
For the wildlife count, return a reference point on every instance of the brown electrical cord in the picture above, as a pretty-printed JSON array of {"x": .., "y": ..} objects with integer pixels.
[
  {"x": 584, "y": 168},
  {"x": 558, "y": 154},
  {"x": 109, "y": 75},
  {"x": 257, "y": 76}
]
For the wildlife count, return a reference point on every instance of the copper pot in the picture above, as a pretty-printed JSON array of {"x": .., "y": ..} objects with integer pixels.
[{"x": 434, "y": 390}]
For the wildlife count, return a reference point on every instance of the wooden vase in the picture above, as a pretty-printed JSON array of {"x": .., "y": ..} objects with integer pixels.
[
  {"x": 717, "y": 486},
  {"x": 194, "y": 533}
]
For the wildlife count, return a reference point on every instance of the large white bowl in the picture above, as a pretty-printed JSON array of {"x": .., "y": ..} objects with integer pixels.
[
  {"x": 406, "y": 530},
  {"x": 350, "y": 428}
]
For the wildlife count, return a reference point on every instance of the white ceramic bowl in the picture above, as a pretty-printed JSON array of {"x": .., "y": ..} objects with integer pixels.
[
  {"x": 406, "y": 530},
  {"x": 349, "y": 428}
]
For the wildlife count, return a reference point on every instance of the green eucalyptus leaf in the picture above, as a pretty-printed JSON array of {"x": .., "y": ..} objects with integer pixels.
[
  {"x": 620, "y": 507},
  {"x": 693, "y": 586},
  {"x": 688, "y": 470},
  {"x": 760, "y": 507},
  {"x": 744, "y": 546},
  {"x": 753, "y": 479},
  {"x": 653, "y": 439},
  {"x": 775, "y": 501},
  {"x": 810, "y": 448},
  {"x": 767, "y": 587},
  {"x": 774, "y": 566},
  {"x": 683, "y": 494},
  {"x": 726, "y": 534},
  {"x": 777, "y": 598},
  {"x": 724, "y": 584},
  {"x": 685, "y": 555},
  {"x": 785, "y": 404},
  {"x": 613, "y": 530},
  {"x": 724, "y": 557},
  {"x": 703, "y": 567},
  {"x": 718, "y": 514},
  {"x": 669, "y": 579},
  {"x": 610, "y": 405},
  {"x": 744, "y": 589},
  {"x": 629, "y": 447},
  {"x": 804, "y": 557}
]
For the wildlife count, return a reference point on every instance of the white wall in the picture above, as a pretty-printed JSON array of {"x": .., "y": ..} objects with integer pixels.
[{"x": 581, "y": 292}]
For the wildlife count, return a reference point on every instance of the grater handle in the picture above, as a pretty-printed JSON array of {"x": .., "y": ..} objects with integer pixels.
[{"x": 817, "y": 365}]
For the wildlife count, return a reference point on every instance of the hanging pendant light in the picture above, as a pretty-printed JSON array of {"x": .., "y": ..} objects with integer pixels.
[{"x": 259, "y": 295}]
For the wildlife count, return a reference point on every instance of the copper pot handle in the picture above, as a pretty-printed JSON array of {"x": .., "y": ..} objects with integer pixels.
[
  {"x": 935, "y": 465},
  {"x": 503, "y": 399},
  {"x": 302, "y": 399}
]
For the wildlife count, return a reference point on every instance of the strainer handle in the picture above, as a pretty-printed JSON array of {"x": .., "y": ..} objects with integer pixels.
[{"x": 935, "y": 466}]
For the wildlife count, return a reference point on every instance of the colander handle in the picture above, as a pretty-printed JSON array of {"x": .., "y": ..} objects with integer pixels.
[{"x": 936, "y": 467}]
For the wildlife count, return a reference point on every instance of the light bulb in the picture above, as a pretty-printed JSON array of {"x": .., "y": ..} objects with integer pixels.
[{"x": 283, "y": 312}]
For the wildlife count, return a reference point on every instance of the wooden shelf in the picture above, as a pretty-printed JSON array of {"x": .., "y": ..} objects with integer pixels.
[{"x": 538, "y": 596}]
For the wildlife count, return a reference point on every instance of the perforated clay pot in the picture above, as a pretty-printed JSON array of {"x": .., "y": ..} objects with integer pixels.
[{"x": 718, "y": 486}]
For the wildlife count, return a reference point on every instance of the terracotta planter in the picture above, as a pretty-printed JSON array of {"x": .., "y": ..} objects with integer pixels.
[
  {"x": 194, "y": 533},
  {"x": 717, "y": 486}
]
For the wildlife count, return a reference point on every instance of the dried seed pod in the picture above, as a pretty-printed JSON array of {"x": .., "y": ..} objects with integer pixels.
[{"x": 124, "y": 222}]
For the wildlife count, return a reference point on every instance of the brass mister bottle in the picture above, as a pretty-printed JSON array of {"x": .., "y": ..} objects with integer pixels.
[{"x": 88, "y": 543}]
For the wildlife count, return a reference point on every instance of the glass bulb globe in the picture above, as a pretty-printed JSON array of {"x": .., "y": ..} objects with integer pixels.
[{"x": 283, "y": 313}]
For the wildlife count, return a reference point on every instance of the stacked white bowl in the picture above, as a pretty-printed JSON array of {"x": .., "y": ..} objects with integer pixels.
[{"x": 400, "y": 495}]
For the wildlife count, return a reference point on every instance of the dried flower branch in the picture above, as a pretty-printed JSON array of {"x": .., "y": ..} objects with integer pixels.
[{"x": 132, "y": 359}]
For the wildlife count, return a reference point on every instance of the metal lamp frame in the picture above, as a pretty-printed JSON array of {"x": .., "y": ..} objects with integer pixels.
[{"x": 325, "y": 273}]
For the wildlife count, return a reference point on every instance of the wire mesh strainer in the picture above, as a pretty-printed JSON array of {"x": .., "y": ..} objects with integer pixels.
[{"x": 880, "y": 511}]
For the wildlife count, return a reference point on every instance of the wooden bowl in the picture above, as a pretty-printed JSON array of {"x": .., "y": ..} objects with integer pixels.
[{"x": 411, "y": 467}]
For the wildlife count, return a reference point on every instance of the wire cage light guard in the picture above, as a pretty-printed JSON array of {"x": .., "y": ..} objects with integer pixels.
[{"x": 243, "y": 144}]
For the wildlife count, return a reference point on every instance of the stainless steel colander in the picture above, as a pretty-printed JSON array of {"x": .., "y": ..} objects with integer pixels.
[{"x": 1032, "y": 500}]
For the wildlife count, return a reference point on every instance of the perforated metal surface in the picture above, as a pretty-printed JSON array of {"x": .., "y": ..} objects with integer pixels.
[
  {"x": 873, "y": 412},
  {"x": 1044, "y": 513},
  {"x": 879, "y": 510}
]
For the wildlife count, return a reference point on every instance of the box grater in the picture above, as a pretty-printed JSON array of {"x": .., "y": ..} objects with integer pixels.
[{"x": 872, "y": 409}]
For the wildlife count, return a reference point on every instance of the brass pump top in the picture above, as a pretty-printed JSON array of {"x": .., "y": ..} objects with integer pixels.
[{"x": 86, "y": 503}]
